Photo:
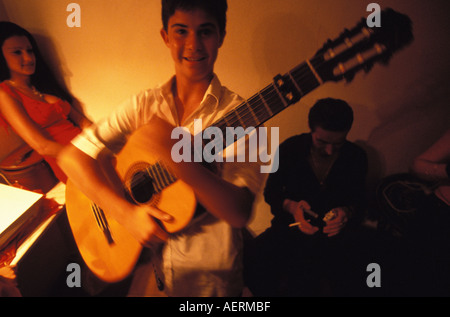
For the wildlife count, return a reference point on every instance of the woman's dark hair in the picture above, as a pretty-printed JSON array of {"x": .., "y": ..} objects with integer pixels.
[
  {"x": 216, "y": 8},
  {"x": 43, "y": 78},
  {"x": 331, "y": 114}
]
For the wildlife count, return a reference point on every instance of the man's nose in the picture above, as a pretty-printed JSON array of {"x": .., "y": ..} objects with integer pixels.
[
  {"x": 194, "y": 42},
  {"x": 329, "y": 149}
]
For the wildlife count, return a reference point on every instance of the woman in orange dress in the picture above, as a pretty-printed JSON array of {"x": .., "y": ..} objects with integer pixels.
[{"x": 34, "y": 105}]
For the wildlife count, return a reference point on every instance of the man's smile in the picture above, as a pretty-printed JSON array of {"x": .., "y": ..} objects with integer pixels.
[{"x": 194, "y": 59}]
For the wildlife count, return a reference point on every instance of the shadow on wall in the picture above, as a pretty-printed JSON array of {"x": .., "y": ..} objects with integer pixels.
[
  {"x": 377, "y": 164},
  {"x": 410, "y": 125},
  {"x": 57, "y": 64},
  {"x": 295, "y": 43}
]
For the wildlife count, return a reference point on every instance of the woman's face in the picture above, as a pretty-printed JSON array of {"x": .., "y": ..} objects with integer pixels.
[{"x": 19, "y": 56}]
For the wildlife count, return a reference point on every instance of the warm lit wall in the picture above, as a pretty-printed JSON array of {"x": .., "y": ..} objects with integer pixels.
[
  {"x": 3, "y": 15},
  {"x": 399, "y": 109}
]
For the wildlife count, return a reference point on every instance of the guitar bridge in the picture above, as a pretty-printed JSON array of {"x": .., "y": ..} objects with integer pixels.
[{"x": 102, "y": 223}]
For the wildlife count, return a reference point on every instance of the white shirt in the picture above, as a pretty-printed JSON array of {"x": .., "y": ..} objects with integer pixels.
[{"x": 204, "y": 259}]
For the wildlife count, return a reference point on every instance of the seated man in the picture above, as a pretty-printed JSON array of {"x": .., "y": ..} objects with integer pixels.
[{"x": 321, "y": 175}]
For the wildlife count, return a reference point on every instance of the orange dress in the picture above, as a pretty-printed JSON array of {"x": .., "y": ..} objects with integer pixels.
[{"x": 51, "y": 118}]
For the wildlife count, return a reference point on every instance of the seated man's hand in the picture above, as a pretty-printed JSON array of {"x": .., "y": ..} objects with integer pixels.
[
  {"x": 337, "y": 222},
  {"x": 298, "y": 211}
]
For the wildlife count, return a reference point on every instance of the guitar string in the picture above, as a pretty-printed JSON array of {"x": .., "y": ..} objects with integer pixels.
[
  {"x": 245, "y": 109},
  {"x": 159, "y": 173},
  {"x": 102, "y": 222},
  {"x": 101, "y": 217},
  {"x": 97, "y": 219},
  {"x": 316, "y": 62},
  {"x": 272, "y": 99},
  {"x": 255, "y": 106},
  {"x": 303, "y": 75},
  {"x": 268, "y": 95}
]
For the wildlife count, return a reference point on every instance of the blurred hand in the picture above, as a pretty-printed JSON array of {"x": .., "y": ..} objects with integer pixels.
[
  {"x": 298, "y": 211},
  {"x": 142, "y": 225}
]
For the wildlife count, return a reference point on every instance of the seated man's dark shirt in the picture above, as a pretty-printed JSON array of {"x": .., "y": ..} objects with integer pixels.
[{"x": 344, "y": 185}]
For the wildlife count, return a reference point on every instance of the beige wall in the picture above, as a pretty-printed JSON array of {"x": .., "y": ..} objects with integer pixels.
[
  {"x": 399, "y": 109},
  {"x": 3, "y": 15}
]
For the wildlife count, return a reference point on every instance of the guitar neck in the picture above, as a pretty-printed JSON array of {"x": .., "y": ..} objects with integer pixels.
[
  {"x": 274, "y": 98},
  {"x": 354, "y": 50}
]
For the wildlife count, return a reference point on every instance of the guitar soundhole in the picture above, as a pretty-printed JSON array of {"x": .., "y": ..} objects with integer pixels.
[{"x": 142, "y": 189}]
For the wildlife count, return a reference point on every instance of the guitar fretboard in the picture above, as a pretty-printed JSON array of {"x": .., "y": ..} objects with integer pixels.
[{"x": 272, "y": 99}]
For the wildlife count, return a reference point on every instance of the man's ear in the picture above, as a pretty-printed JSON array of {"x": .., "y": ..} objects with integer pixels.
[{"x": 164, "y": 36}]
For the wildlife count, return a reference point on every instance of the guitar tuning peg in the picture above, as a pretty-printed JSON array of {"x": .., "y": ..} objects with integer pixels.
[{"x": 327, "y": 45}]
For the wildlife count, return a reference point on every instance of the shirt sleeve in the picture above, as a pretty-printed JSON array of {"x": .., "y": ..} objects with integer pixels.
[
  {"x": 244, "y": 174},
  {"x": 114, "y": 131}
]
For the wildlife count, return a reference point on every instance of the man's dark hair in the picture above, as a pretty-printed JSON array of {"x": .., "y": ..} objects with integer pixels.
[
  {"x": 331, "y": 114},
  {"x": 216, "y": 8}
]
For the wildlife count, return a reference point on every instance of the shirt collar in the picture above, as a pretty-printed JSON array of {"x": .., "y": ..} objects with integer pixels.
[
  {"x": 214, "y": 89},
  {"x": 209, "y": 103}
]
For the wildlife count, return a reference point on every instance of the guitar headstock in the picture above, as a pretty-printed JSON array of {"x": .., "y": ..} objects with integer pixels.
[{"x": 362, "y": 46}]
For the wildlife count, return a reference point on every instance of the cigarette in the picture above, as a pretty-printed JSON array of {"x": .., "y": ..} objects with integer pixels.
[{"x": 294, "y": 224}]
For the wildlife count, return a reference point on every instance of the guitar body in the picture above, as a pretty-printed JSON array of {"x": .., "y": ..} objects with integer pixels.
[
  {"x": 170, "y": 194},
  {"x": 110, "y": 262},
  {"x": 111, "y": 252},
  {"x": 112, "y": 256}
]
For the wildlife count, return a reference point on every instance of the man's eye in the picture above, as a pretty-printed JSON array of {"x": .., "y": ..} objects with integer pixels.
[
  {"x": 180, "y": 31},
  {"x": 206, "y": 32}
]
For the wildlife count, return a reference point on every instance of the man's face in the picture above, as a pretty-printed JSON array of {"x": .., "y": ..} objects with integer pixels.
[
  {"x": 194, "y": 39},
  {"x": 327, "y": 143}
]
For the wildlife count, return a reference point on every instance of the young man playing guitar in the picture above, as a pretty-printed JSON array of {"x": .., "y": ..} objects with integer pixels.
[{"x": 204, "y": 259}]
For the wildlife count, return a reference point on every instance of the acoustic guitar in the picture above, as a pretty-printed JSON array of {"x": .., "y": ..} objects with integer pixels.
[{"x": 111, "y": 252}]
